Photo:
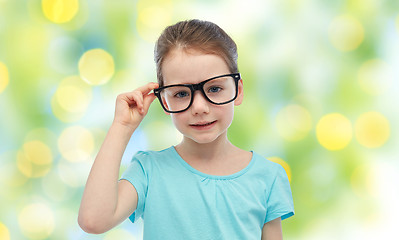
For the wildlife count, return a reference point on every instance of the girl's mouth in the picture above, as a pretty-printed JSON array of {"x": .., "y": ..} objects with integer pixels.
[{"x": 203, "y": 125}]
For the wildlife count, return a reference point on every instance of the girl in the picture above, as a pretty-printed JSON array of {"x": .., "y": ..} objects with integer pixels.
[{"x": 204, "y": 187}]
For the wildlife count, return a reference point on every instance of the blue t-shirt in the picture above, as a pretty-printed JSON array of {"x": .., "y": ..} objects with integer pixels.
[{"x": 177, "y": 201}]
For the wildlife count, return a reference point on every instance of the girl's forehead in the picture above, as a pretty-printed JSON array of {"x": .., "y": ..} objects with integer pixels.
[
  {"x": 182, "y": 52},
  {"x": 194, "y": 66}
]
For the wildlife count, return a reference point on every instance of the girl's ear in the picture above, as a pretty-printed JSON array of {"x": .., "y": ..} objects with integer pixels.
[{"x": 240, "y": 94}]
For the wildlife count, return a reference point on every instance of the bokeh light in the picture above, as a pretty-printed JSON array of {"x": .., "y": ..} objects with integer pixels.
[
  {"x": 293, "y": 122},
  {"x": 363, "y": 181},
  {"x": 60, "y": 11},
  {"x": 283, "y": 163},
  {"x": 372, "y": 129},
  {"x": 76, "y": 144},
  {"x": 73, "y": 174},
  {"x": 375, "y": 77},
  {"x": 54, "y": 187},
  {"x": 10, "y": 175},
  {"x": 96, "y": 67},
  {"x": 71, "y": 100},
  {"x": 334, "y": 131},
  {"x": 346, "y": 33},
  {"x": 152, "y": 18},
  {"x": 322, "y": 178},
  {"x": 119, "y": 234},
  {"x": 4, "y": 232},
  {"x": 36, "y": 221},
  {"x": 44, "y": 135},
  {"x": 34, "y": 159},
  {"x": 4, "y": 78}
]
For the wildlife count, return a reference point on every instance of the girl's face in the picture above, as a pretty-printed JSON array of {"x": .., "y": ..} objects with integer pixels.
[{"x": 203, "y": 122}]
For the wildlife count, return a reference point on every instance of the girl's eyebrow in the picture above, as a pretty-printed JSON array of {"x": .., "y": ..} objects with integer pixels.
[
  {"x": 185, "y": 83},
  {"x": 182, "y": 83}
]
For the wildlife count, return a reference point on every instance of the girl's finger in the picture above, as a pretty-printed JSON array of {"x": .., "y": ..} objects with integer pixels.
[
  {"x": 138, "y": 99},
  {"x": 132, "y": 98},
  {"x": 147, "y": 88}
]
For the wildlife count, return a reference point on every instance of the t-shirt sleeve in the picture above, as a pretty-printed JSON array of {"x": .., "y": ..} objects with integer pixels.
[
  {"x": 136, "y": 174},
  {"x": 279, "y": 202}
]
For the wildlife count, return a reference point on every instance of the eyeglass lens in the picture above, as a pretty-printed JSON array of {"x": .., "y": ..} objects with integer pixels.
[{"x": 218, "y": 91}]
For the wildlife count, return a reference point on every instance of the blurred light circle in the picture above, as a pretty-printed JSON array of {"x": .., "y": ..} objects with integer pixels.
[
  {"x": 122, "y": 81},
  {"x": 71, "y": 99},
  {"x": 67, "y": 227},
  {"x": 152, "y": 19},
  {"x": 334, "y": 131},
  {"x": 10, "y": 176},
  {"x": 4, "y": 78},
  {"x": 375, "y": 77},
  {"x": 36, "y": 221},
  {"x": 76, "y": 144},
  {"x": 73, "y": 94},
  {"x": 68, "y": 175},
  {"x": 4, "y": 232},
  {"x": 74, "y": 174},
  {"x": 346, "y": 33},
  {"x": 372, "y": 129},
  {"x": 363, "y": 181},
  {"x": 323, "y": 178},
  {"x": 119, "y": 233},
  {"x": 60, "y": 11},
  {"x": 284, "y": 164},
  {"x": 64, "y": 115},
  {"x": 293, "y": 122},
  {"x": 43, "y": 135},
  {"x": 35, "y": 159},
  {"x": 55, "y": 188},
  {"x": 96, "y": 67}
]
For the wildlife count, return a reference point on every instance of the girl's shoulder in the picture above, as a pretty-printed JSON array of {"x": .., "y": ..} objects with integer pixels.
[
  {"x": 262, "y": 161},
  {"x": 149, "y": 159},
  {"x": 266, "y": 166},
  {"x": 152, "y": 154}
]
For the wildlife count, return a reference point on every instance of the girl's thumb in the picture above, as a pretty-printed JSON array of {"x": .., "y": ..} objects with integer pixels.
[{"x": 148, "y": 100}]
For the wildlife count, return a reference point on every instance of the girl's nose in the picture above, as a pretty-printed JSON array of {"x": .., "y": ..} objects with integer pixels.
[{"x": 200, "y": 105}]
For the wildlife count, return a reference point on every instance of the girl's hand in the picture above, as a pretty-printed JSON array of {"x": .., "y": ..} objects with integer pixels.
[{"x": 131, "y": 107}]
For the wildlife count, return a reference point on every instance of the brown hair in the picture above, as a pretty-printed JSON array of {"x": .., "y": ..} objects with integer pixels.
[{"x": 195, "y": 34}]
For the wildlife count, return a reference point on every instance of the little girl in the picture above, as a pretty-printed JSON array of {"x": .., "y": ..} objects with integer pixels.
[{"x": 204, "y": 187}]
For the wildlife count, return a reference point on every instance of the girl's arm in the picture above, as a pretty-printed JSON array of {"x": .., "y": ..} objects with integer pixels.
[
  {"x": 272, "y": 230},
  {"x": 105, "y": 202}
]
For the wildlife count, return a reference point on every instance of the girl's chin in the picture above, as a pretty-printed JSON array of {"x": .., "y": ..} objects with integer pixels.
[{"x": 203, "y": 139}]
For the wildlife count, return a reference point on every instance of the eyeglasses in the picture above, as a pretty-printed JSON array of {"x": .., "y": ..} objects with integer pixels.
[{"x": 217, "y": 90}]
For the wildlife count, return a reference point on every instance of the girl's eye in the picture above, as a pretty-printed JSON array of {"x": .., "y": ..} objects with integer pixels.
[
  {"x": 181, "y": 94},
  {"x": 214, "y": 89}
]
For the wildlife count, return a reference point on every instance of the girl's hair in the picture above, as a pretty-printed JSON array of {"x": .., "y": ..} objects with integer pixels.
[{"x": 203, "y": 36}]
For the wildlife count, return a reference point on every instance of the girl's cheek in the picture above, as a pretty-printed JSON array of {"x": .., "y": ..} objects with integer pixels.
[{"x": 177, "y": 119}]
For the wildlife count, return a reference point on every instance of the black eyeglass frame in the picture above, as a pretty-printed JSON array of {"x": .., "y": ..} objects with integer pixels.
[{"x": 195, "y": 87}]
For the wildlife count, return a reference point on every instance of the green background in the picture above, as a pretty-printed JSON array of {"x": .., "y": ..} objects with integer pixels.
[{"x": 321, "y": 57}]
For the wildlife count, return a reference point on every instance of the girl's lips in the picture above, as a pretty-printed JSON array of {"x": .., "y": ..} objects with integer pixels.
[{"x": 203, "y": 125}]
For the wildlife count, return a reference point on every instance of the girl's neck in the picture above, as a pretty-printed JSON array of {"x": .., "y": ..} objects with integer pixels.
[
  {"x": 219, "y": 157},
  {"x": 207, "y": 151}
]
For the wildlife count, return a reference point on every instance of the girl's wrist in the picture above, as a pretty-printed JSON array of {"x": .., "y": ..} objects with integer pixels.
[{"x": 122, "y": 128}]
